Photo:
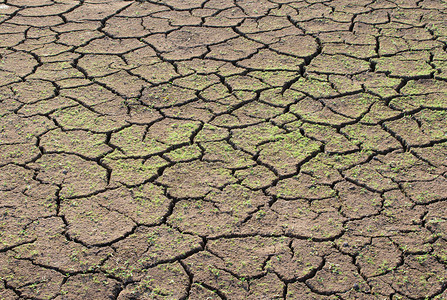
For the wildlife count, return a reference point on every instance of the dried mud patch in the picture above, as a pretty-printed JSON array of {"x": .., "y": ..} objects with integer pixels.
[{"x": 222, "y": 149}]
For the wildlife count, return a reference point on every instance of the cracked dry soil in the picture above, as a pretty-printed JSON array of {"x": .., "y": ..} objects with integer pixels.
[{"x": 223, "y": 149}]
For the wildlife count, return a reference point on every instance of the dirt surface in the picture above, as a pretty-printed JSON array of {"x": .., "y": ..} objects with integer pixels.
[{"x": 223, "y": 149}]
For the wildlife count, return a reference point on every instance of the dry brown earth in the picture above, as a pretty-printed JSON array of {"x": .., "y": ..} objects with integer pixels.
[{"x": 223, "y": 149}]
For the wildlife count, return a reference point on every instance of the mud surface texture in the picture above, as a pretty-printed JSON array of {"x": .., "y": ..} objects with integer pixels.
[{"x": 223, "y": 149}]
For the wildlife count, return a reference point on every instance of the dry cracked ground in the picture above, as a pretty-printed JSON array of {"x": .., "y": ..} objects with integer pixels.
[{"x": 223, "y": 149}]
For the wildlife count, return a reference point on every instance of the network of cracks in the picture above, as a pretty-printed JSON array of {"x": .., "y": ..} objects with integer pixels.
[{"x": 223, "y": 149}]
